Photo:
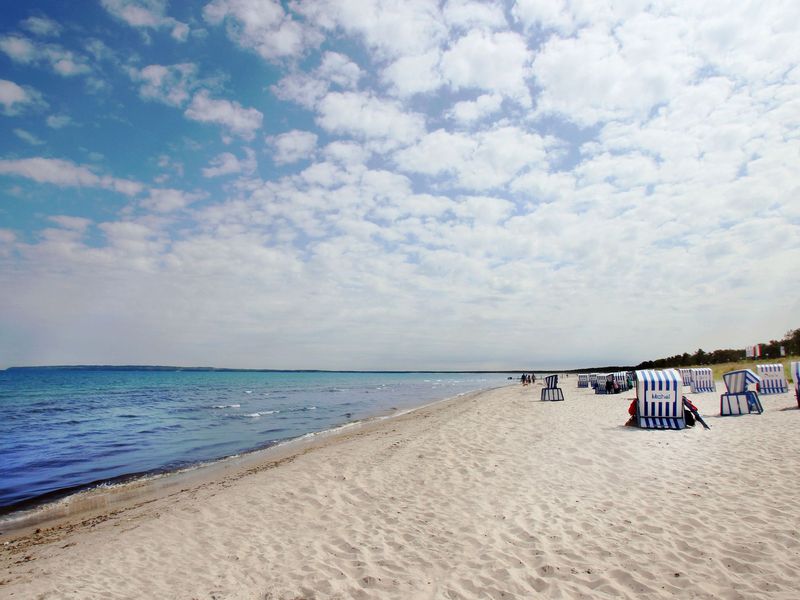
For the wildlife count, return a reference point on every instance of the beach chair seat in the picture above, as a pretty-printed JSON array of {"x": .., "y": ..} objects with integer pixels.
[
  {"x": 550, "y": 391},
  {"x": 773, "y": 381},
  {"x": 659, "y": 403},
  {"x": 739, "y": 399}
]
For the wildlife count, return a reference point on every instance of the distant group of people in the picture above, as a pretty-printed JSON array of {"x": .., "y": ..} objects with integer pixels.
[
  {"x": 527, "y": 378},
  {"x": 612, "y": 387}
]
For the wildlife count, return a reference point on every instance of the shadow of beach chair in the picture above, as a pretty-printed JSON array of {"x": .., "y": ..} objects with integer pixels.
[
  {"x": 773, "y": 380},
  {"x": 702, "y": 380},
  {"x": 550, "y": 391},
  {"x": 659, "y": 403},
  {"x": 739, "y": 400}
]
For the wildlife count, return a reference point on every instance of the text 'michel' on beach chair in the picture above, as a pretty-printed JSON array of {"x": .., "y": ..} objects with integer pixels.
[
  {"x": 796, "y": 376},
  {"x": 702, "y": 381},
  {"x": 773, "y": 381},
  {"x": 739, "y": 400},
  {"x": 659, "y": 403},
  {"x": 550, "y": 391}
]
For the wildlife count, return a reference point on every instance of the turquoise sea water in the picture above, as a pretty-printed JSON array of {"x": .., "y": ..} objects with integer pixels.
[{"x": 64, "y": 430}]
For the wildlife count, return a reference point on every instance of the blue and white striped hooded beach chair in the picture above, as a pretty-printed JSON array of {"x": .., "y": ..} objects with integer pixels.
[
  {"x": 686, "y": 376},
  {"x": 583, "y": 380},
  {"x": 621, "y": 379},
  {"x": 739, "y": 400},
  {"x": 602, "y": 378},
  {"x": 659, "y": 403},
  {"x": 796, "y": 377},
  {"x": 773, "y": 381},
  {"x": 550, "y": 391},
  {"x": 593, "y": 380},
  {"x": 702, "y": 381}
]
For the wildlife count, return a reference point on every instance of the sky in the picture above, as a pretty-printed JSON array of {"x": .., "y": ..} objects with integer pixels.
[{"x": 396, "y": 184}]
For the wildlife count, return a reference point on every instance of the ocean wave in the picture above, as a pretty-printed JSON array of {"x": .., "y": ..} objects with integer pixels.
[{"x": 227, "y": 406}]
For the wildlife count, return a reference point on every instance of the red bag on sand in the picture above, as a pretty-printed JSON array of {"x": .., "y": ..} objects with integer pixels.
[{"x": 632, "y": 407}]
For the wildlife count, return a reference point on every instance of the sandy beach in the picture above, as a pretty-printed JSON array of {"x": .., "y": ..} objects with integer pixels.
[{"x": 487, "y": 495}]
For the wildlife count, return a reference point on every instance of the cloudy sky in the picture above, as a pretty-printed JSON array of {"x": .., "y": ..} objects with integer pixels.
[{"x": 396, "y": 184}]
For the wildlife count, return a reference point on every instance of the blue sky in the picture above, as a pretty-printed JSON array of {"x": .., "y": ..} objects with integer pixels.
[{"x": 396, "y": 185}]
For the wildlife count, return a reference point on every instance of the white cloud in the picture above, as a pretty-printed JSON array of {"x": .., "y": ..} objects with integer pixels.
[
  {"x": 478, "y": 161},
  {"x": 170, "y": 84},
  {"x": 414, "y": 74},
  {"x": 41, "y": 26},
  {"x": 389, "y": 28},
  {"x": 28, "y": 137},
  {"x": 470, "y": 111},
  {"x": 64, "y": 173},
  {"x": 262, "y": 26},
  {"x": 630, "y": 72},
  {"x": 18, "y": 48},
  {"x": 150, "y": 14},
  {"x": 62, "y": 61},
  {"x": 166, "y": 200},
  {"x": 70, "y": 222},
  {"x": 180, "y": 32},
  {"x": 368, "y": 117},
  {"x": 497, "y": 62},
  {"x": 306, "y": 89},
  {"x": 293, "y": 146},
  {"x": 468, "y": 14},
  {"x": 58, "y": 121},
  {"x": 229, "y": 164},
  {"x": 348, "y": 153},
  {"x": 339, "y": 69},
  {"x": 240, "y": 121},
  {"x": 16, "y": 99}
]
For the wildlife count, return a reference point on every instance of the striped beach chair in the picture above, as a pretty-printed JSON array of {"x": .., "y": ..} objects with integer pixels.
[
  {"x": 739, "y": 400},
  {"x": 773, "y": 381},
  {"x": 702, "y": 381},
  {"x": 600, "y": 388},
  {"x": 659, "y": 404},
  {"x": 621, "y": 379},
  {"x": 796, "y": 377},
  {"x": 583, "y": 380},
  {"x": 686, "y": 376},
  {"x": 593, "y": 380},
  {"x": 550, "y": 391}
]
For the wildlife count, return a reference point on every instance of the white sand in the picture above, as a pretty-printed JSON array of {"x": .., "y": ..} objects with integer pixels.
[{"x": 494, "y": 495}]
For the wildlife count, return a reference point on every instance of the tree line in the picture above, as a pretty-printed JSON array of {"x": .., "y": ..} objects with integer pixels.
[{"x": 790, "y": 343}]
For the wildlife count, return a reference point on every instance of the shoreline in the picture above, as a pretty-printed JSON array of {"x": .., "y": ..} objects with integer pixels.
[
  {"x": 96, "y": 498},
  {"x": 491, "y": 494}
]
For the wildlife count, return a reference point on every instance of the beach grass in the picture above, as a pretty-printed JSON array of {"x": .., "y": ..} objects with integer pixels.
[{"x": 750, "y": 363}]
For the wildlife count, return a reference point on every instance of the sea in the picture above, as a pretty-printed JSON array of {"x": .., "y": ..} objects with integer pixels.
[{"x": 65, "y": 430}]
